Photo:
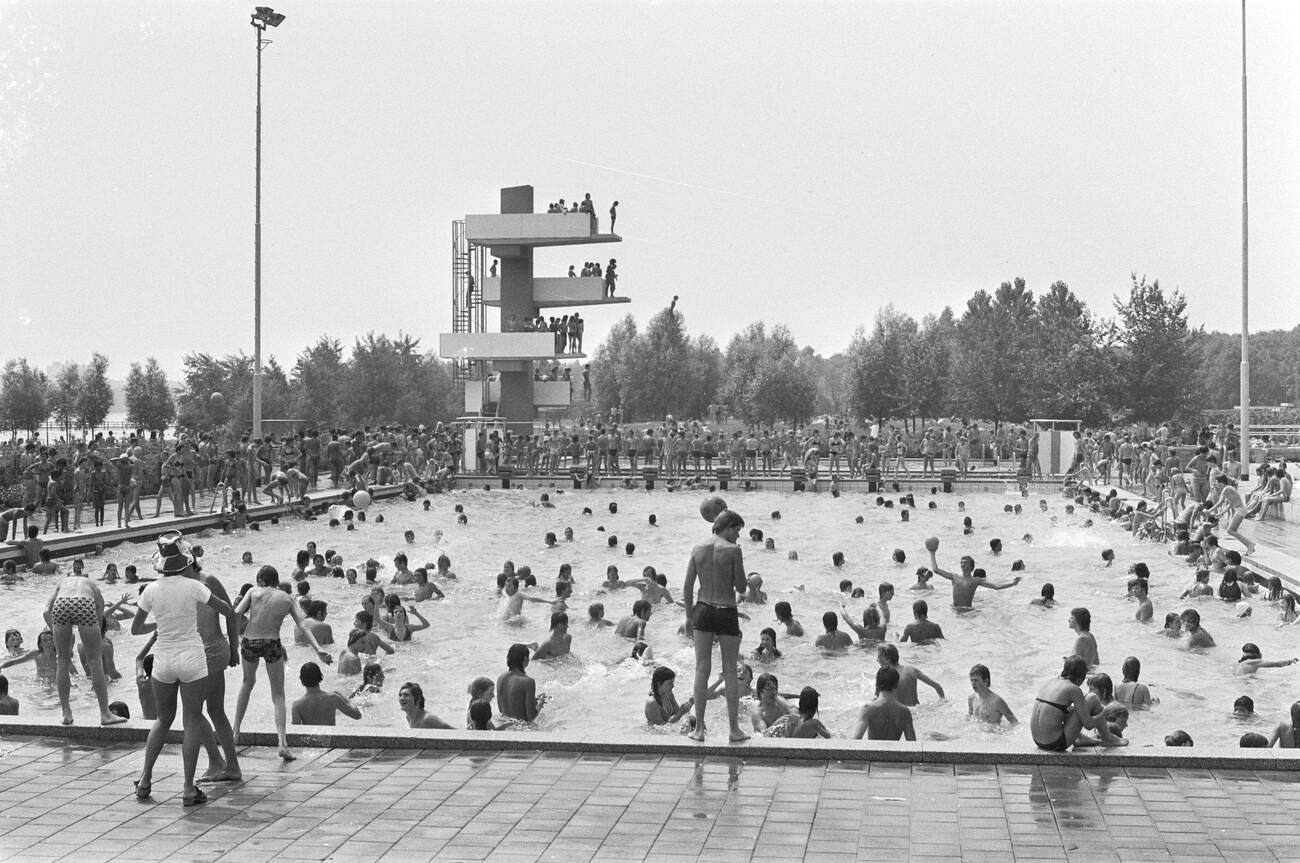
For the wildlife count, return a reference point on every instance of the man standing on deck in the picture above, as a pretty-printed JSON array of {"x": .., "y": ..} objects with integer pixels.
[
  {"x": 1231, "y": 508},
  {"x": 720, "y": 569}
]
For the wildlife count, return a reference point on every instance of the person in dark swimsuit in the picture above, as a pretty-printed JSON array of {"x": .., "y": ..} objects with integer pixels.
[
  {"x": 712, "y": 616},
  {"x": 1061, "y": 711}
]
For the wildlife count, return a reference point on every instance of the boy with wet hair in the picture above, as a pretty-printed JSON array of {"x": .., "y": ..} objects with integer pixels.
[
  {"x": 886, "y": 718},
  {"x": 633, "y": 626},
  {"x": 985, "y": 704},
  {"x": 922, "y": 630},
  {"x": 833, "y": 638},
  {"x": 560, "y": 641},
  {"x": 596, "y": 616},
  {"x": 908, "y": 675},
  {"x": 785, "y": 616},
  {"x": 317, "y": 707}
]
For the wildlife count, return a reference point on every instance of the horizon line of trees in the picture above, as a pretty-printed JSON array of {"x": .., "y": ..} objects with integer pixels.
[
  {"x": 1007, "y": 357},
  {"x": 381, "y": 380}
]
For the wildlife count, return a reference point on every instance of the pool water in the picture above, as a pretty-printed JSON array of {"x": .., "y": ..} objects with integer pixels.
[{"x": 602, "y": 689}]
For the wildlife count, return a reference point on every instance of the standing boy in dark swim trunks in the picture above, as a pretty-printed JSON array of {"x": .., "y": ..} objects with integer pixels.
[
  {"x": 719, "y": 566},
  {"x": 267, "y": 606}
]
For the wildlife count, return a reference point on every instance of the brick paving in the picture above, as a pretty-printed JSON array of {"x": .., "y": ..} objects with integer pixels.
[{"x": 66, "y": 801}]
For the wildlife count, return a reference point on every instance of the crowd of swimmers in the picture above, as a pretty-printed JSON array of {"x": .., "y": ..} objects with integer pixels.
[{"x": 183, "y": 661}]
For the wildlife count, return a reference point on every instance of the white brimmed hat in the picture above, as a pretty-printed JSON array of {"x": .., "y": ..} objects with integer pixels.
[{"x": 173, "y": 553}]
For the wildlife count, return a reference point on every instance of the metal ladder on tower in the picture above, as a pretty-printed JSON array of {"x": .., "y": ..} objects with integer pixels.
[{"x": 466, "y": 298}]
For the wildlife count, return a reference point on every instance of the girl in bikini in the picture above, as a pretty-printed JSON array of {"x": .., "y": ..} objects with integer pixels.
[
  {"x": 661, "y": 708},
  {"x": 1061, "y": 711},
  {"x": 77, "y": 602}
]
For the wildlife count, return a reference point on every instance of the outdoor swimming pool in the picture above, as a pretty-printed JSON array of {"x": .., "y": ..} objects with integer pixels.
[{"x": 600, "y": 689}]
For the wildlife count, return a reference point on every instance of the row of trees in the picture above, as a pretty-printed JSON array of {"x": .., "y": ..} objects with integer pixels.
[
  {"x": 382, "y": 380},
  {"x": 1008, "y": 356},
  {"x": 78, "y": 397}
]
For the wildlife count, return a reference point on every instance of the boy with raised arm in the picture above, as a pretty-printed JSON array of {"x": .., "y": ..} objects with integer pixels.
[{"x": 969, "y": 580}]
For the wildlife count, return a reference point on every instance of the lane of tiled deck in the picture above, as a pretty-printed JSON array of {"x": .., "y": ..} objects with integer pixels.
[{"x": 60, "y": 801}]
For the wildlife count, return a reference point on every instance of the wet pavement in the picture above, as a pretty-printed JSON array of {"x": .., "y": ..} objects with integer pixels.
[{"x": 66, "y": 801}]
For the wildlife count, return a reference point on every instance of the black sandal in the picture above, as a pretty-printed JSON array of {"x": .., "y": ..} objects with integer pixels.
[
  {"x": 194, "y": 800},
  {"x": 142, "y": 792}
]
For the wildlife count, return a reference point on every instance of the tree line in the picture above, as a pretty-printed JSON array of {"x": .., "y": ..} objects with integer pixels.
[
  {"x": 381, "y": 380},
  {"x": 1008, "y": 356}
]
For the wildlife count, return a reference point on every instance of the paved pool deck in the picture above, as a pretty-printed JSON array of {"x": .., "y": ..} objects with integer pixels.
[{"x": 66, "y": 800}]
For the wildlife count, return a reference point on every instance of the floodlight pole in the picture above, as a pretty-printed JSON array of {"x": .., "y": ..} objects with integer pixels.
[
  {"x": 262, "y": 17},
  {"x": 257, "y": 246},
  {"x": 1245, "y": 272}
]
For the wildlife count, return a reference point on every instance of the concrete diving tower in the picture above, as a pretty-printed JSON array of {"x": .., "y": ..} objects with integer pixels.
[
  {"x": 552, "y": 293},
  {"x": 496, "y": 368}
]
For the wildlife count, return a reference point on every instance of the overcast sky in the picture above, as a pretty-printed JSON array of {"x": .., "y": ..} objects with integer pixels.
[{"x": 797, "y": 162}]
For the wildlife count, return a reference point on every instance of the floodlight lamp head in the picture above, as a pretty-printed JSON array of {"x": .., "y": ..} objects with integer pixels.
[{"x": 264, "y": 16}]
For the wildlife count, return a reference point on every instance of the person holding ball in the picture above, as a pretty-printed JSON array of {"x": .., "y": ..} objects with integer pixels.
[{"x": 965, "y": 583}]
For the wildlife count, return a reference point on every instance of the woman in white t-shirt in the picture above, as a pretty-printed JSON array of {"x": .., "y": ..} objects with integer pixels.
[{"x": 180, "y": 665}]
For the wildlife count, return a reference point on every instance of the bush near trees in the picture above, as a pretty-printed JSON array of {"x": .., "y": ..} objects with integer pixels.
[{"x": 383, "y": 381}]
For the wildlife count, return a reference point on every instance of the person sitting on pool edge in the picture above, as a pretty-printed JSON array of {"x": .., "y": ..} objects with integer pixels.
[{"x": 1061, "y": 710}]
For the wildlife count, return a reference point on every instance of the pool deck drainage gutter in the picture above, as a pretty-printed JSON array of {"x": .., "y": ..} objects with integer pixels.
[{"x": 614, "y": 745}]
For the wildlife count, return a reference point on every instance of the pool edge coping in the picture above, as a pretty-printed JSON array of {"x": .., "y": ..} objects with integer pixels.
[{"x": 324, "y": 737}]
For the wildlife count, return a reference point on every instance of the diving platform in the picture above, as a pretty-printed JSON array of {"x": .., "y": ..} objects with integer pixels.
[
  {"x": 501, "y": 346},
  {"x": 505, "y": 232},
  {"x": 546, "y": 394},
  {"x": 498, "y": 372},
  {"x": 554, "y": 293}
]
